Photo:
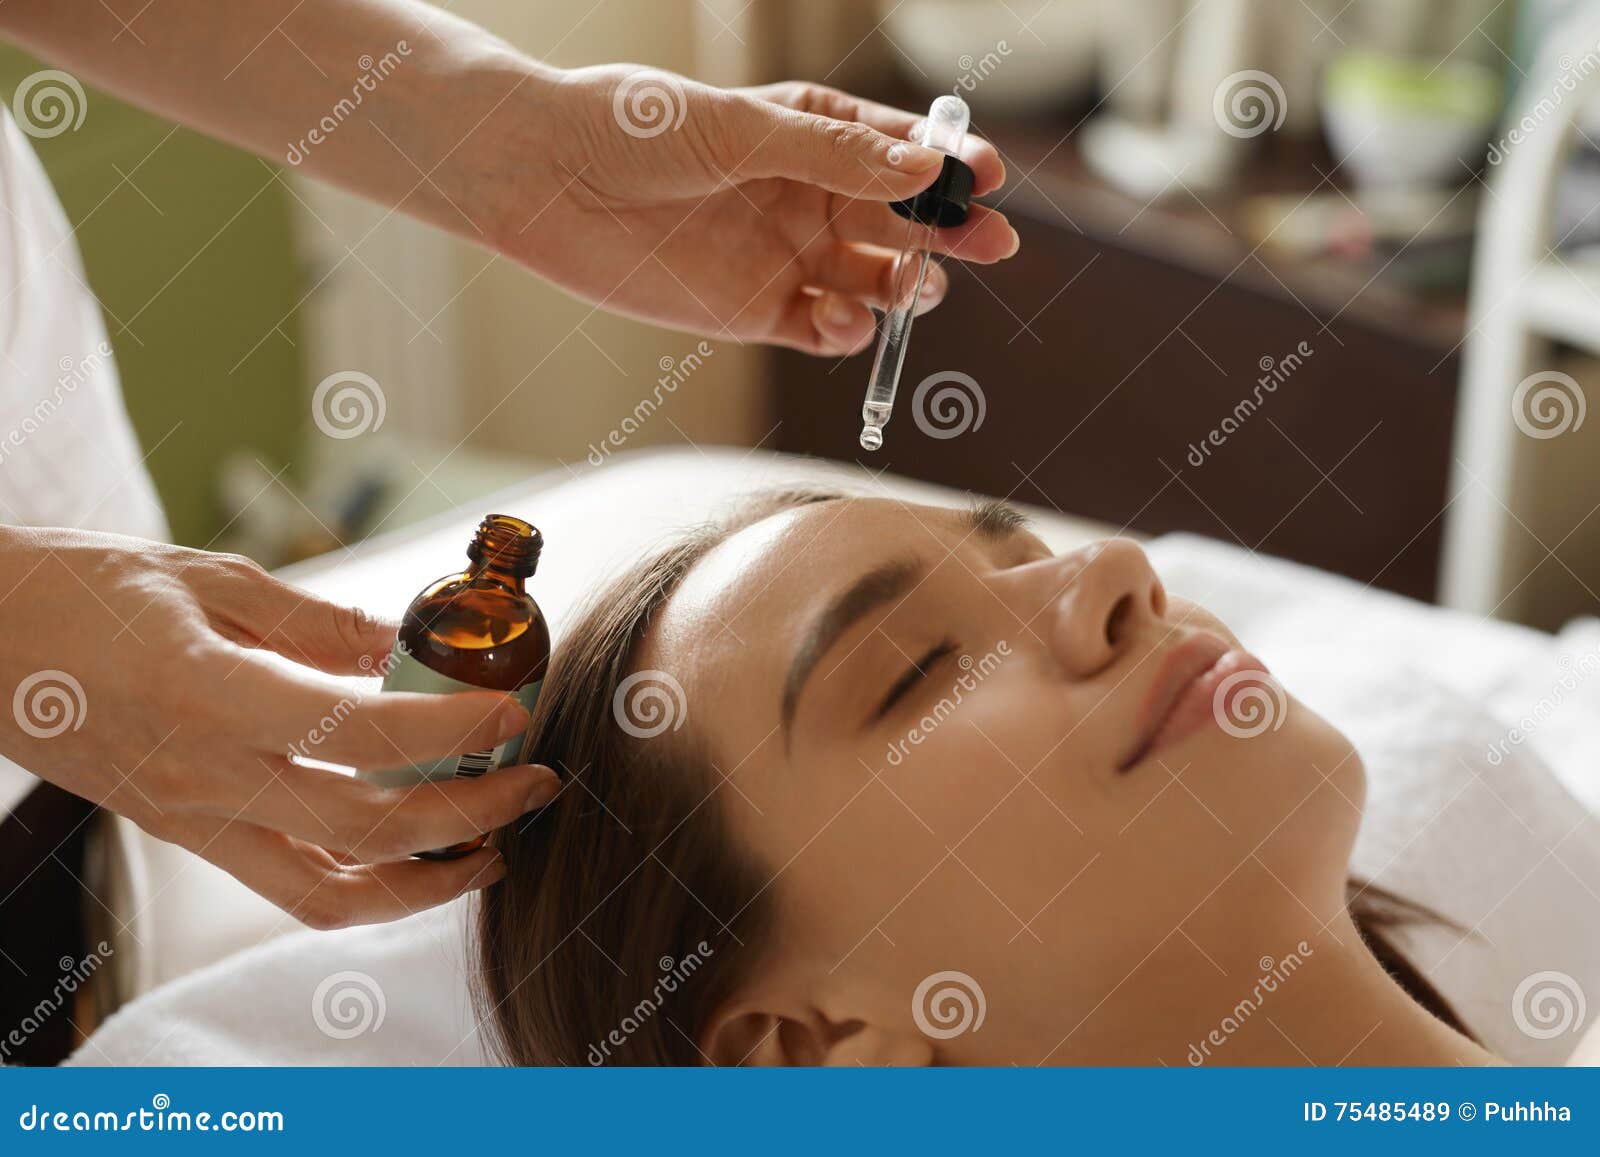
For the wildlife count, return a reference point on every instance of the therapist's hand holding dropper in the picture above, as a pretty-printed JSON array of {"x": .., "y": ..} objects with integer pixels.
[
  {"x": 757, "y": 215},
  {"x": 733, "y": 213}
]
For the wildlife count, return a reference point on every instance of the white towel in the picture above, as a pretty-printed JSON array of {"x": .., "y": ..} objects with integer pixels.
[{"x": 392, "y": 994}]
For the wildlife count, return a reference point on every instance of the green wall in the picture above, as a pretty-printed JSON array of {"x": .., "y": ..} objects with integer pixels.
[{"x": 191, "y": 258}]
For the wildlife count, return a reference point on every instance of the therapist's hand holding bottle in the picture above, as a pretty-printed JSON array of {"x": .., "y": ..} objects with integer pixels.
[
  {"x": 756, "y": 215},
  {"x": 172, "y": 685}
]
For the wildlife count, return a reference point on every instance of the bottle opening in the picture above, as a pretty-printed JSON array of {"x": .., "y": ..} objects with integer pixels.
[{"x": 507, "y": 542}]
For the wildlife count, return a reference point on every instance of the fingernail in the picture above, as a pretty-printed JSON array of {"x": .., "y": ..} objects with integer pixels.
[
  {"x": 546, "y": 786},
  {"x": 491, "y": 873},
  {"x": 836, "y": 312},
  {"x": 1016, "y": 243},
  {"x": 906, "y": 157},
  {"x": 513, "y": 717}
]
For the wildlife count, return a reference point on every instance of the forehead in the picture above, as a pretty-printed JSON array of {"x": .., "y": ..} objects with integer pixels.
[
  {"x": 738, "y": 615},
  {"x": 796, "y": 557}
]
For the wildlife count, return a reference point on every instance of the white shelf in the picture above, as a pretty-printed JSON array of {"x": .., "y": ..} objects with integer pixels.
[
  {"x": 1521, "y": 297},
  {"x": 1562, "y": 300}
]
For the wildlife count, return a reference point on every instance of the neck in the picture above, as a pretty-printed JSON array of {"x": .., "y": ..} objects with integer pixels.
[{"x": 1331, "y": 1003}]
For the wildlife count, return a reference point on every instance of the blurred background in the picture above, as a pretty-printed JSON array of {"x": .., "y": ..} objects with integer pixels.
[{"x": 1267, "y": 246}]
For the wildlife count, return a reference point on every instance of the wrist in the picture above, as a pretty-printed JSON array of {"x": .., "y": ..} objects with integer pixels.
[
  {"x": 506, "y": 163},
  {"x": 476, "y": 128}
]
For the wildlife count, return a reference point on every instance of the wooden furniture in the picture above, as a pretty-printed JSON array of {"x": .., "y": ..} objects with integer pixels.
[{"x": 1122, "y": 335}]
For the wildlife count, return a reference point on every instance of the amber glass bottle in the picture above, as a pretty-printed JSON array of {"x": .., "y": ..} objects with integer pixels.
[{"x": 472, "y": 631}]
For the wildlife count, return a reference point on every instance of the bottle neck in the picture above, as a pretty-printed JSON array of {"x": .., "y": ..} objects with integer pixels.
[
  {"x": 493, "y": 571},
  {"x": 505, "y": 550}
]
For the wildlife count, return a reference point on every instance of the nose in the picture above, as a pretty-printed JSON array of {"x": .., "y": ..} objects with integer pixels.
[{"x": 1101, "y": 598}]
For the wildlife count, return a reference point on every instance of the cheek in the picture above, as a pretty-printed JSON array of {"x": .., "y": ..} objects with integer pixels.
[
  {"x": 962, "y": 754},
  {"x": 994, "y": 783}
]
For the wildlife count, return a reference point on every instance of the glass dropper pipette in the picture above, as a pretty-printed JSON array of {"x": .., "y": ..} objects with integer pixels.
[{"x": 944, "y": 129}]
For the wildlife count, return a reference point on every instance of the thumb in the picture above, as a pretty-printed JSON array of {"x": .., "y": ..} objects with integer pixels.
[
  {"x": 331, "y": 636},
  {"x": 255, "y": 609},
  {"x": 768, "y": 140}
]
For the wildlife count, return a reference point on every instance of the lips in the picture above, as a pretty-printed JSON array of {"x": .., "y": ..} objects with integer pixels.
[{"x": 1181, "y": 698}]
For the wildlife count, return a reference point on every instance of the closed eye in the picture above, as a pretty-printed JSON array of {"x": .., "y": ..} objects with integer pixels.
[{"x": 913, "y": 675}]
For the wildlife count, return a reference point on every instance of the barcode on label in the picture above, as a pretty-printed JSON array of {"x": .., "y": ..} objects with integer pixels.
[{"x": 474, "y": 763}]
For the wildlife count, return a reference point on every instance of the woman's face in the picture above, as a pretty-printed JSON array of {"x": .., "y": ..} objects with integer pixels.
[{"x": 958, "y": 752}]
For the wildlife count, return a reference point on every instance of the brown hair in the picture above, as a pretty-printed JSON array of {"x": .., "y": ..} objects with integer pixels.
[
  {"x": 628, "y": 911},
  {"x": 633, "y": 876}
]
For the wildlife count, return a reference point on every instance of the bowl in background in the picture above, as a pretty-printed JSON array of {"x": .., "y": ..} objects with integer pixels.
[
  {"x": 1002, "y": 56},
  {"x": 1397, "y": 122}
]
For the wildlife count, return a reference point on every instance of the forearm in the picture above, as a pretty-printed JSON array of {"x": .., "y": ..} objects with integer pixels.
[{"x": 393, "y": 99}]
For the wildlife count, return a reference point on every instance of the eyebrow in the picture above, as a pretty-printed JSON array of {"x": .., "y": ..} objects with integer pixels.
[
  {"x": 994, "y": 519},
  {"x": 883, "y": 584}
]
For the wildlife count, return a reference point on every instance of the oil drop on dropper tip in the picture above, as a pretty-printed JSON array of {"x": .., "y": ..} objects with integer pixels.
[{"x": 943, "y": 203}]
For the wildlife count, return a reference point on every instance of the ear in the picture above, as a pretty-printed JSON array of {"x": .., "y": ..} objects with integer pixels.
[{"x": 742, "y": 1033}]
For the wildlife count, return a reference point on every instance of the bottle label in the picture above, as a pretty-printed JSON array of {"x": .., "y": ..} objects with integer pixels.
[{"x": 405, "y": 673}]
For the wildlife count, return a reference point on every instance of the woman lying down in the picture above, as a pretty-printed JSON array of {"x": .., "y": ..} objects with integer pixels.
[{"x": 857, "y": 782}]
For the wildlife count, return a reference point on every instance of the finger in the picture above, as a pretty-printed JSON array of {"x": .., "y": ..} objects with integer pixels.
[
  {"x": 763, "y": 139},
  {"x": 372, "y": 824},
  {"x": 313, "y": 887},
  {"x": 825, "y": 323},
  {"x": 989, "y": 171},
  {"x": 279, "y": 709},
  {"x": 250, "y": 607},
  {"x": 869, "y": 275},
  {"x": 985, "y": 237}
]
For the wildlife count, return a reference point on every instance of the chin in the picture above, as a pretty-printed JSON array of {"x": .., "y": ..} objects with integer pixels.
[
  {"x": 1327, "y": 752},
  {"x": 1315, "y": 809}
]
